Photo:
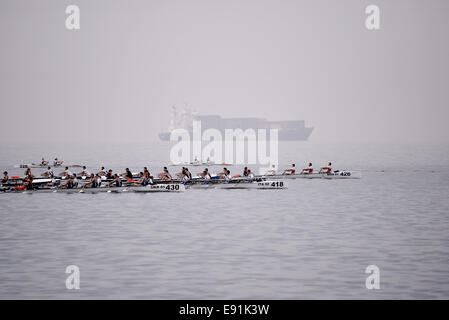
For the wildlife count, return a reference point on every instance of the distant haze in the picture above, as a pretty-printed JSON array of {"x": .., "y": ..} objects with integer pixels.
[{"x": 117, "y": 77}]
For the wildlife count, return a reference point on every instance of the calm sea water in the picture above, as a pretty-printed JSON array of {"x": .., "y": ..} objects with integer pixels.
[{"x": 313, "y": 240}]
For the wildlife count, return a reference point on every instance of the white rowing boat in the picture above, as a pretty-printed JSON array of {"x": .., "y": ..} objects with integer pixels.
[
  {"x": 344, "y": 174},
  {"x": 44, "y": 166},
  {"x": 261, "y": 185},
  {"x": 169, "y": 187},
  {"x": 200, "y": 164}
]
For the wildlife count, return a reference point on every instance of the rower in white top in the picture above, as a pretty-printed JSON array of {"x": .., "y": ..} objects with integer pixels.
[
  {"x": 66, "y": 172},
  {"x": 292, "y": 170},
  {"x": 187, "y": 175},
  {"x": 223, "y": 173},
  {"x": 250, "y": 175},
  {"x": 272, "y": 171},
  {"x": 227, "y": 176},
  {"x": 48, "y": 173},
  {"x": 102, "y": 171},
  {"x": 84, "y": 172},
  {"x": 308, "y": 170},
  {"x": 57, "y": 163},
  {"x": 327, "y": 169},
  {"x": 205, "y": 175}
]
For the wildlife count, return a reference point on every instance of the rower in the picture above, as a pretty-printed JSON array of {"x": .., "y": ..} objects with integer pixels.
[
  {"x": 68, "y": 184},
  {"x": 206, "y": 175},
  {"x": 29, "y": 183},
  {"x": 98, "y": 180},
  {"x": 165, "y": 175},
  {"x": 327, "y": 169},
  {"x": 308, "y": 170},
  {"x": 148, "y": 178},
  {"x": 223, "y": 173},
  {"x": 28, "y": 173},
  {"x": 250, "y": 175},
  {"x": 85, "y": 172},
  {"x": 109, "y": 175},
  {"x": 5, "y": 177},
  {"x": 227, "y": 176},
  {"x": 272, "y": 171},
  {"x": 187, "y": 175},
  {"x": 53, "y": 182},
  {"x": 245, "y": 172},
  {"x": 43, "y": 162},
  {"x": 92, "y": 183},
  {"x": 181, "y": 174},
  {"x": 141, "y": 180},
  {"x": 66, "y": 172},
  {"x": 75, "y": 181},
  {"x": 185, "y": 179},
  {"x": 117, "y": 181},
  {"x": 48, "y": 173},
  {"x": 146, "y": 172},
  {"x": 292, "y": 170},
  {"x": 57, "y": 163},
  {"x": 128, "y": 174},
  {"x": 102, "y": 171}
]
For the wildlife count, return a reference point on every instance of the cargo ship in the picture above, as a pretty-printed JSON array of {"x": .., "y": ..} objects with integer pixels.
[{"x": 288, "y": 130}]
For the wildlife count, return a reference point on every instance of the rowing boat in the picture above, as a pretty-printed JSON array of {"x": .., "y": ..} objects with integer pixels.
[
  {"x": 200, "y": 163},
  {"x": 171, "y": 187},
  {"x": 256, "y": 184},
  {"x": 344, "y": 174},
  {"x": 44, "y": 166}
]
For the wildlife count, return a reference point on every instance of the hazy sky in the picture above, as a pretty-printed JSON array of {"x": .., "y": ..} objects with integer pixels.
[{"x": 117, "y": 77}]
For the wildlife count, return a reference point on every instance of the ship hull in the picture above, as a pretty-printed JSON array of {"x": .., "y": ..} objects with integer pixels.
[{"x": 283, "y": 135}]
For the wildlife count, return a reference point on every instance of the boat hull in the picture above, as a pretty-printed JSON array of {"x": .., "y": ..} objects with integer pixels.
[
  {"x": 171, "y": 187},
  {"x": 334, "y": 175},
  {"x": 267, "y": 185}
]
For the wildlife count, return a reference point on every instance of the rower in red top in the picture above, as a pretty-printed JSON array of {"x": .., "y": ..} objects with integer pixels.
[
  {"x": 28, "y": 173},
  {"x": 292, "y": 170},
  {"x": 327, "y": 169},
  {"x": 29, "y": 183},
  {"x": 308, "y": 170}
]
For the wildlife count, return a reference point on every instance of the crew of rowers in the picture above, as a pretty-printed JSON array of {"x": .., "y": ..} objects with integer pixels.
[
  {"x": 308, "y": 170},
  {"x": 323, "y": 170},
  {"x": 144, "y": 177},
  {"x": 56, "y": 162}
]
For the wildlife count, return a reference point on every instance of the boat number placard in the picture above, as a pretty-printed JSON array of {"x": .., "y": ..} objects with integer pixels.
[
  {"x": 168, "y": 187},
  {"x": 274, "y": 184}
]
